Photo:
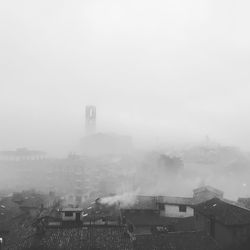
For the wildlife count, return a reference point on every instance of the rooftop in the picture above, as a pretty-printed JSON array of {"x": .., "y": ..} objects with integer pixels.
[
  {"x": 143, "y": 203},
  {"x": 148, "y": 219},
  {"x": 71, "y": 209},
  {"x": 176, "y": 241},
  {"x": 33, "y": 201},
  {"x": 21, "y": 152},
  {"x": 76, "y": 239},
  {"x": 175, "y": 200},
  {"x": 225, "y": 212}
]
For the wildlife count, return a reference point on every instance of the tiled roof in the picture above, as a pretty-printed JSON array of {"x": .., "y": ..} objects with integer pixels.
[
  {"x": 19, "y": 230},
  {"x": 225, "y": 212},
  {"x": 9, "y": 208},
  {"x": 71, "y": 209},
  {"x": 114, "y": 239},
  {"x": 175, "y": 200},
  {"x": 9, "y": 211},
  {"x": 143, "y": 203},
  {"x": 148, "y": 219},
  {"x": 176, "y": 241},
  {"x": 107, "y": 238},
  {"x": 244, "y": 202},
  {"x": 33, "y": 201}
]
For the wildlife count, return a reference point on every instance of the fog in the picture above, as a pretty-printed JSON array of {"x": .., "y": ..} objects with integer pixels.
[
  {"x": 172, "y": 68},
  {"x": 166, "y": 73}
]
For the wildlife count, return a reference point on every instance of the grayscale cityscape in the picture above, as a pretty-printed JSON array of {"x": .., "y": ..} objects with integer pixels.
[{"x": 124, "y": 125}]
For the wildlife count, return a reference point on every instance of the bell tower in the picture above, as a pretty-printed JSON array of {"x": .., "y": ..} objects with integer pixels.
[{"x": 90, "y": 119}]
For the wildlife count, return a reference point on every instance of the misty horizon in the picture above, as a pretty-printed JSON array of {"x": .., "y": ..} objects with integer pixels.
[
  {"x": 176, "y": 70},
  {"x": 124, "y": 124}
]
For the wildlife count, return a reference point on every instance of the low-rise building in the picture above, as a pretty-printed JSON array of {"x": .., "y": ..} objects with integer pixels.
[
  {"x": 178, "y": 207},
  {"x": 176, "y": 241},
  {"x": 71, "y": 215},
  {"x": 182, "y": 207},
  {"x": 177, "y": 213},
  {"x": 226, "y": 222}
]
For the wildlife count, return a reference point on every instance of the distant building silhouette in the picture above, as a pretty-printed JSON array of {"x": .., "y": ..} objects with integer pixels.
[
  {"x": 90, "y": 120},
  {"x": 22, "y": 154}
]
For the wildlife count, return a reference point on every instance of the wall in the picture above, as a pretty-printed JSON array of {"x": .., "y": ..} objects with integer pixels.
[
  {"x": 68, "y": 218},
  {"x": 185, "y": 224},
  {"x": 173, "y": 211},
  {"x": 226, "y": 236},
  {"x": 241, "y": 234},
  {"x": 223, "y": 235},
  {"x": 201, "y": 222}
]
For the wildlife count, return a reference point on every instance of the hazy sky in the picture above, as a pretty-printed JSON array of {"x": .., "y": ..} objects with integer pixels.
[{"x": 174, "y": 67}]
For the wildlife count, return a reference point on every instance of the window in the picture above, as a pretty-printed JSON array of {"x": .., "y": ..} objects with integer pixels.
[
  {"x": 68, "y": 214},
  {"x": 183, "y": 208}
]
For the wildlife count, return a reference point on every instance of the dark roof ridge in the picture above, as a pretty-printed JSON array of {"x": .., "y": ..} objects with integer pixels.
[
  {"x": 228, "y": 214},
  {"x": 176, "y": 196},
  {"x": 186, "y": 232},
  {"x": 229, "y": 202},
  {"x": 234, "y": 203},
  {"x": 157, "y": 196},
  {"x": 143, "y": 195}
]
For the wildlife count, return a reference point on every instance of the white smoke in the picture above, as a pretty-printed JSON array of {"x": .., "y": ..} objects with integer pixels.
[{"x": 123, "y": 200}]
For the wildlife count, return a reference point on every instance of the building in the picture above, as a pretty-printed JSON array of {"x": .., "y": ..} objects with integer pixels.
[
  {"x": 176, "y": 241},
  {"x": 76, "y": 238},
  {"x": 73, "y": 215},
  {"x": 146, "y": 216},
  {"x": 206, "y": 193},
  {"x": 100, "y": 144},
  {"x": 175, "y": 206},
  {"x": 226, "y": 222},
  {"x": 182, "y": 207},
  {"x": 90, "y": 120},
  {"x": 142, "y": 215},
  {"x": 22, "y": 154},
  {"x": 177, "y": 213}
]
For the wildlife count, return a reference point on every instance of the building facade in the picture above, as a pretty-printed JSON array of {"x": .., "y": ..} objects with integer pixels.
[
  {"x": 178, "y": 207},
  {"x": 227, "y": 223}
]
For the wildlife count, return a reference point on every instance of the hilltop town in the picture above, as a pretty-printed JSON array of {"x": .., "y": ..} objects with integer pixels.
[{"x": 111, "y": 195}]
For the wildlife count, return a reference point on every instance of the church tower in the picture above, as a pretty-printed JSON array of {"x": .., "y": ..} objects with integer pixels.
[{"x": 90, "y": 120}]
